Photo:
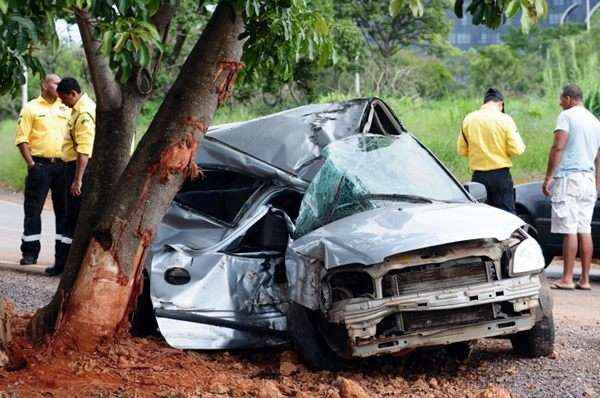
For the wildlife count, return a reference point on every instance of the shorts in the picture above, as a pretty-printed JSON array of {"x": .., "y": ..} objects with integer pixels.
[{"x": 573, "y": 200}]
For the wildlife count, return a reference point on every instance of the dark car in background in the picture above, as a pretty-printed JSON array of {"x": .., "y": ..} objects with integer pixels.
[{"x": 535, "y": 208}]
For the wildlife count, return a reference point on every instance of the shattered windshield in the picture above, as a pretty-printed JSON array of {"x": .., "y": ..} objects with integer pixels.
[{"x": 363, "y": 172}]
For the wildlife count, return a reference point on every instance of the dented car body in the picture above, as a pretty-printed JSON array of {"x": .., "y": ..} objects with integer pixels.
[{"x": 332, "y": 225}]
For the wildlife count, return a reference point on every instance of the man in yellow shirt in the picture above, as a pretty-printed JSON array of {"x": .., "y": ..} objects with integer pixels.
[
  {"x": 76, "y": 150},
  {"x": 41, "y": 128},
  {"x": 489, "y": 138}
]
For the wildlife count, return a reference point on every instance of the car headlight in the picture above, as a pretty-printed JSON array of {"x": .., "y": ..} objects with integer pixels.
[{"x": 527, "y": 258}]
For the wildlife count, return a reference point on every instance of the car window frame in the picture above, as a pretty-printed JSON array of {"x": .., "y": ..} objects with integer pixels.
[{"x": 243, "y": 209}]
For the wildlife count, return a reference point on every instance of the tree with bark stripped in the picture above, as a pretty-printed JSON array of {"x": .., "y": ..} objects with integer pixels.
[{"x": 125, "y": 200}]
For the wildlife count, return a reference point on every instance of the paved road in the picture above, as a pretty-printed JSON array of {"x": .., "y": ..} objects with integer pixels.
[{"x": 11, "y": 230}]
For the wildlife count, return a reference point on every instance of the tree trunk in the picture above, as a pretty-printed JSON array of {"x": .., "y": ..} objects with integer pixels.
[
  {"x": 108, "y": 282},
  {"x": 115, "y": 129},
  {"x": 118, "y": 107}
]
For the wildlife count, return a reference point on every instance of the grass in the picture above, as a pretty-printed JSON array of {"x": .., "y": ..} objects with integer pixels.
[
  {"x": 435, "y": 123},
  {"x": 12, "y": 166}
]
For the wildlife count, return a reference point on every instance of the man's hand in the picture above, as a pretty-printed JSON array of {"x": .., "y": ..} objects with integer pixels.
[
  {"x": 547, "y": 187},
  {"x": 30, "y": 165},
  {"x": 76, "y": 187}
]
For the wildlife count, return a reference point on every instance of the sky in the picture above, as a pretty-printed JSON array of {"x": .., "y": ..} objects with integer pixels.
[{"x": 67, "y": 33}]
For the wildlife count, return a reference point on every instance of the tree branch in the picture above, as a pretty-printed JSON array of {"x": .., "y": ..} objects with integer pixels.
[
  {"x": 180, "y": 38},
  {"x": 108, "y": 92},
  {"x": 162, "y": 22}
]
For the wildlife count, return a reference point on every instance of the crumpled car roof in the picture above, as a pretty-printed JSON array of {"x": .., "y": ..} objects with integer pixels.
[{"x": 287, "y": 145}]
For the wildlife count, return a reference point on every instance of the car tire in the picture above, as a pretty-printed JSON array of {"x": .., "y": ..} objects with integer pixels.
[
  {"x": 143, "y": 322},
  {"x": 461, "y": 351},
  {"x": 539, "y": 340},
  {"x": 310, "y": 342},
  {"x": 548, "y": 256}
]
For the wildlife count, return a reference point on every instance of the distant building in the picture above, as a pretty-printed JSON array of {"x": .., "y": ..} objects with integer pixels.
[{"x": 466, "y": 35}]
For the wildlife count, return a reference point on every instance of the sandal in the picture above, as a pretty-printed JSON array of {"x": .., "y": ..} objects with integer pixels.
[
  {"x": 559, "y": 286},
  {"x": 581, "y": 287}
]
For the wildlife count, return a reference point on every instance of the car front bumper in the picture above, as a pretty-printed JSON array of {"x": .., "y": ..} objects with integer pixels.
[{"x": 361, "y": 316}]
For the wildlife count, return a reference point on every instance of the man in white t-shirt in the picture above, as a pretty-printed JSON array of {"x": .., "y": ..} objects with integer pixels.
[{"x": 572, "y": 181}]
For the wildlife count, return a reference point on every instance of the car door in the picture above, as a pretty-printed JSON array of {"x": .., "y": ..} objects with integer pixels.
[{"x": 229, "y": 295}]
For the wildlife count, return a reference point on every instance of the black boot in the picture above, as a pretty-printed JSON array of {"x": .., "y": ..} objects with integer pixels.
[
  {"x": 54, "y": 270},
  {"x": 28, "y": 260}
]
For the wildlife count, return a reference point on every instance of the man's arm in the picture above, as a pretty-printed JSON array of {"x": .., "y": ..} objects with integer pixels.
[
  {"x": 26, "y": 154},
  {"x": 597, "y": 162},
  {"x": 560, "y": 141},
  {"x": 514, "y": 143},
  {"x": 24, "y": 125},
  {"x": 462, "y": 147},
  {"x": 84, "y": 140},
  {"x": 80, "y": 166}
]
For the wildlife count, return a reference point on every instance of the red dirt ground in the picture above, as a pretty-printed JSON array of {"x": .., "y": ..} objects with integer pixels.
[{"x": 135, "y": 367}]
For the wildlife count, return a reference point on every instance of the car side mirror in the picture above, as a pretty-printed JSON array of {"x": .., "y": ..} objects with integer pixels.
[{"x": 477, "y": 191}]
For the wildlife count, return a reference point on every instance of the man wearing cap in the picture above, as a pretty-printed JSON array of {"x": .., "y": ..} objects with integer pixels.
[
  {"x": 40, "y": 133},
  {"x": 76, "y": 150},
  {"x": 572, "y": 180},
  {"x": 489, "y": 139}
]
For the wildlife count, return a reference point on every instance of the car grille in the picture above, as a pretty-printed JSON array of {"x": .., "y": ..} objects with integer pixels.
[
  {"x": 430, "y": 277},
  {"x": 417, "y": 320}
]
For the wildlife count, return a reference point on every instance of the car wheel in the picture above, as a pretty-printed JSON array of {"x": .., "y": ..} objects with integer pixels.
[
  {"x": 548, "y": 256},
  {"x": 526, "y": 218},
  {"x": 461, "y": 351},
  {"x": 539, "y": 340},
  {"x": 143, "y": 323},
  {"x": 303, "y": 326}
]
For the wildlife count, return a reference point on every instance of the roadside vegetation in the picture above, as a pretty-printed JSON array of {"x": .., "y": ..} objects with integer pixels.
[
  {"x": 435, "y": 122},
  {"x": 430, "y": 87}
]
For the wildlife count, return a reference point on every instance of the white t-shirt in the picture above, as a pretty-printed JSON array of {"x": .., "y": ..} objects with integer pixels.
[{"x": 583, "y": 142}]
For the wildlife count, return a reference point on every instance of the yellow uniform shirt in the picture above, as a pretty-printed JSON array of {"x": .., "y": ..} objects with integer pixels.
[
  {"x": 489, "y": 138},
  {"x": 43, "y": 126},
  {"x": 82, "y": 128}
]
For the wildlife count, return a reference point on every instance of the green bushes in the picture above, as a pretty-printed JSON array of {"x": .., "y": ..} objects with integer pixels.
[
  {"x": 12, "y": 167},
  {"x": 592, "y": 101},
  {"x": 499, "y": 66}
]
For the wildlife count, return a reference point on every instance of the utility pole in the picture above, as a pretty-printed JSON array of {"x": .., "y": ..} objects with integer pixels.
[
  {"x": 587, "y": 14},
  {"x": 357, "y": 79},
  {"x": 24, "y": 88}
]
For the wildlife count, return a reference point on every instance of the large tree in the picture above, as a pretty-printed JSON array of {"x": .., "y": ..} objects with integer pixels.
[
  {"x": 386, "y": 34},
  {"x": 124, "y": 42}
]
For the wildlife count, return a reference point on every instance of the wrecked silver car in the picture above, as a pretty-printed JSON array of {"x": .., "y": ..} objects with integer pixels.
[{"x": 332, "y": 226}]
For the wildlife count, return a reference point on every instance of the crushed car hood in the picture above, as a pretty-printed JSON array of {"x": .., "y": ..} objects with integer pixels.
[{"x": 369, "y": 237}]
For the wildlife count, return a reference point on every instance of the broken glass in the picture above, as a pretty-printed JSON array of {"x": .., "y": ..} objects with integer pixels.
[{"x": 365, "y": 171}]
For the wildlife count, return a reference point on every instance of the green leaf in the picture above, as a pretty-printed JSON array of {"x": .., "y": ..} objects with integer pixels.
[
  {"x": 525, "y": 19},
  {"x": 540, "y": 7},
  {"x": 153, "y": 6},
  {"x": 4, "y": 6},
  {"x": 458, "y": 8},
  {"x": 416, "y": 7},
  {"x": 248, "y": 8},
  {"x": 123, "y": 5},
  {"x": 144, "y": 55},
  {"x": 107, "y": 39},
  {"x": 396, "y": 7},
  {"x": 321, "y": 26},
  {"x": 121, "y": 42},
  {"x": 136, "y": 42},
  {"x": 512, "y": 8}
]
